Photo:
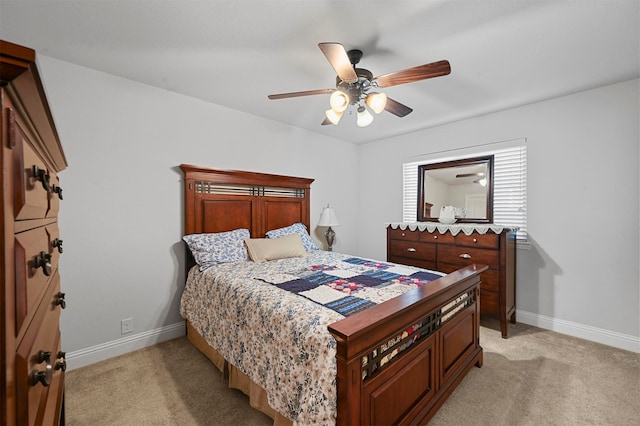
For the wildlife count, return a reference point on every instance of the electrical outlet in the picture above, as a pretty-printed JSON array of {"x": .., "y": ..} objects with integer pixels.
[{"x": 127, "y": 325}]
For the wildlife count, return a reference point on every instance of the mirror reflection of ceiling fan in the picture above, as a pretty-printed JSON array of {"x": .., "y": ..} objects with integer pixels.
[
  {"x": 482, "y": 180},
  {"x": 358, "y": 86}
]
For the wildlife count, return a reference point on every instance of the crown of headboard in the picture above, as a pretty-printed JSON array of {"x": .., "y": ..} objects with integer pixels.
[{"x": 223, "y": 200}]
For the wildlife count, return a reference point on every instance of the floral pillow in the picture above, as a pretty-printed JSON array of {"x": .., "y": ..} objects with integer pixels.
[
  {"x": 219, "y": 247},
  {"x": 298, "y": 228}
]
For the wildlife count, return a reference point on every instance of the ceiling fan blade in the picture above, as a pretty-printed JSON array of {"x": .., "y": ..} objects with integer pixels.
[
  {"x": 339, "y": 60},
  {"x": 396, "y": 108},
  {"x": 304, "y": 93},
  {"x": 464, "y": 175},
  {"x": 409, "y": 75}
]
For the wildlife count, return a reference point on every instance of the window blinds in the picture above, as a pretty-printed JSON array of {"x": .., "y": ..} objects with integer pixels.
[{"x": 509, "y": 187}]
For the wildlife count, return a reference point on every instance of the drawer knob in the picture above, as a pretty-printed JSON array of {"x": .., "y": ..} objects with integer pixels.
[
  {"x": 411, "y": 249},
  {"x": 59, "y": 301},
  {"x": 42, "y": 176},
  {"x": 57, "y": 243},
  {"x": 403, "y": 234},
  {"x": 61, "y": 362},
  {"x": 435, "y": 237},
  {"x": 43, "y": 260},
  {"x": 475, "y": 240},
  {"x": 45, "y": 376},
  {"x": 57, "y": 190},
  {"x": 465, "y": 256}
]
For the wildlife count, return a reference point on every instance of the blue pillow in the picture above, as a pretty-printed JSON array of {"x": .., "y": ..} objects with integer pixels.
[
  {"x": 298, "y": 228},
  {"x": 219, "y": 247}
]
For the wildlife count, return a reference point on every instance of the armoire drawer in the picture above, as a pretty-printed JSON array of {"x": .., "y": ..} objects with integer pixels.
[
  {"x": 36, "y": 263},
  {"x": 34, "y": 185},
  {"x": 39, "y": 361},
  {"x": 464, "y": 256}
]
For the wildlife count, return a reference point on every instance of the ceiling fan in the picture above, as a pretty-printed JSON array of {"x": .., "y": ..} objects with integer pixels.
[{"x": 357, "y": 86}]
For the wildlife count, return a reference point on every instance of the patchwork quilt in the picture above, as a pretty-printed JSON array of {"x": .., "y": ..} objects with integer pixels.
[
  {"x": 352, "y": 284},
  {"x": 270, "y": 320}
]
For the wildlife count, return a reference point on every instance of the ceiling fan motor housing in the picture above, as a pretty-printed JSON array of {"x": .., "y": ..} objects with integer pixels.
[{"x": 359, "y": 89}]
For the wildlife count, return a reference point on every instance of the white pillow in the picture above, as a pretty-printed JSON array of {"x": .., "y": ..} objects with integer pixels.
[{"x": 261, "y": 249}]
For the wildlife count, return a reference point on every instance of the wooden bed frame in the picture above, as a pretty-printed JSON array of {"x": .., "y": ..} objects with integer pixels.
[{"x": 372, "y": 390}]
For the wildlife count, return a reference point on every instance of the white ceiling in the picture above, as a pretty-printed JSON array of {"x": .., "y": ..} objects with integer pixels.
[{"x": 503, "y": 53}]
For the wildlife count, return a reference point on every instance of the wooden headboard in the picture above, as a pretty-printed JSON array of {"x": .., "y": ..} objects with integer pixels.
[{"x": 224, "y": 200}]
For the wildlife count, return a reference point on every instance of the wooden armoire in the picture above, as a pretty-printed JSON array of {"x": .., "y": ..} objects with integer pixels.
[{"x": 33, "y": 363}]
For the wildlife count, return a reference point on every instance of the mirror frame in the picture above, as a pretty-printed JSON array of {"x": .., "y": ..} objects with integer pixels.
[{"x": 422, "y": 169}]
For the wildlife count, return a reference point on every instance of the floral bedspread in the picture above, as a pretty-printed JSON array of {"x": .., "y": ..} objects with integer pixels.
[{"x": 253, "y": 315}]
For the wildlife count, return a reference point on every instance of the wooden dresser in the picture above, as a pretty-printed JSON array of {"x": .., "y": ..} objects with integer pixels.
[
  {"x": 446, "y": 248},
  {"x": 33, "y": 364}
]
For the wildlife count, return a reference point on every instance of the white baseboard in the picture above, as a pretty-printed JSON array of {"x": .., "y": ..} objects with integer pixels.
[
  {"x": 82, "y": 357},
  {"x": 599, "y": 335},
  {"x": 93, "y": 354}
]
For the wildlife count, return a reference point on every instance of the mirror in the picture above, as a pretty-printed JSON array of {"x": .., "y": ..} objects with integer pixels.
[{"x": 465, "y": 184}]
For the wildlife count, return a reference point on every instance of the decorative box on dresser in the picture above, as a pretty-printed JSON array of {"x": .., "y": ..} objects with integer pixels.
[
  {"x": 33, "y": 364},
  {"x": 446, "y": 248}
]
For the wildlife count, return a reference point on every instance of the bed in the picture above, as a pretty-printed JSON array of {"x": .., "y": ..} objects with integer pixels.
[{"x": 300, "y": 357}]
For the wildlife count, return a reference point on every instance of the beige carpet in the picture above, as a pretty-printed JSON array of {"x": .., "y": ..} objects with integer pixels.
[{"x": 535, "y": 377}]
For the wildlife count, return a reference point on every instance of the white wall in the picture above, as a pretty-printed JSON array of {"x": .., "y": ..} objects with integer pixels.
[
  {"x": 581, "y": 274},
  {"x": 122, "y": 214},
  {"x": 121, "y": 219}
]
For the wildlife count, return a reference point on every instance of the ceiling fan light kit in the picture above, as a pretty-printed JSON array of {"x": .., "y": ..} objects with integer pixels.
[
  {"x": 333, "y": 116},
  {"x": 364, "y": 117},
  {"x": 354, "y": 85}
]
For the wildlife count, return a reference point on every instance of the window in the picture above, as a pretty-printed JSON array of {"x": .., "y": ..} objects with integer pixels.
[{"x": 510, "y": 182}]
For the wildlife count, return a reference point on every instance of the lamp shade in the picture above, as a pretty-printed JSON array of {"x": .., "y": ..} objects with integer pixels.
[
  {"x": 339, "y": 101},
  {"x": 333, "y": 116},
  {"x": 364, "y": 117},
  {"x": 376, "y": 101},
  {"x": 328, "y": 217}
]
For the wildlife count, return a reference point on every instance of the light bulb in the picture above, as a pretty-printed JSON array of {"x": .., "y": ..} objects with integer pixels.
[
  {"x": 333, "y": 116},
  {"x": 364, "y": 117},
  {"x": 339, "y": 101},
  {"x": 377, "y": 101}
]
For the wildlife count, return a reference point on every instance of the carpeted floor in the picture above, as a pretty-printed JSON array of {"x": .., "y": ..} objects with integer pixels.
[{"x": 536, "y": 377}]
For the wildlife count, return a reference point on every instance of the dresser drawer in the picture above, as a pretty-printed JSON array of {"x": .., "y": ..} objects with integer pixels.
[
  {"x": 478, "y": 240},
  {"x": 412, "y": 250},
  {"x": 436, "y": 237},
  {"x": 399, "y": 234},
  {"x": 464, "y": 256},
  {"x": 40, "y": 352},
  {"x": 489, "y": 303},
  {"x": 489, "y": 279},
  {"x": 35, "y": 266}
]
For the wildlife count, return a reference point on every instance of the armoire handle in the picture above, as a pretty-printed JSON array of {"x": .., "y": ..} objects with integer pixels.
[
  {"x": 45, "y": 376},
  {"x": 43, "y": 260},
  {"x": 411, "y": 249},
  {"x": 57, "y": 190},
  {"x": 61, "y": 361},
  {"x": 57, "y": 243},
  {"x": 42, "y": 176},
  {"x": 465, "y": 256},
  {"x": 60, "y": 300}
]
